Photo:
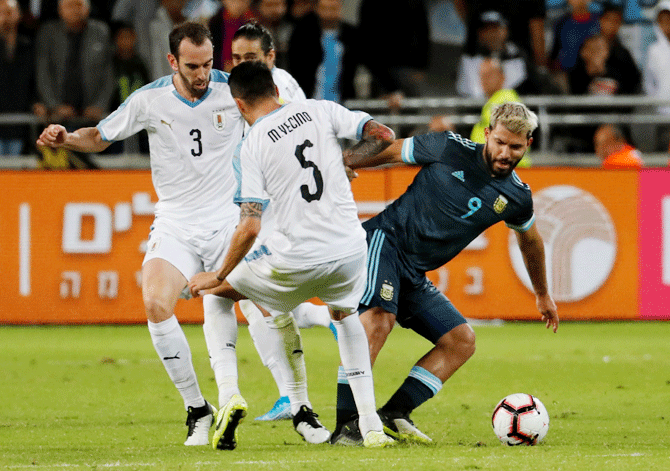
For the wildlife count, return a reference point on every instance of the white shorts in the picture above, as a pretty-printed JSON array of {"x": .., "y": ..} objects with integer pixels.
[
  {"x": 279, "y": 288},
  {"x": 190, "y": 249}
]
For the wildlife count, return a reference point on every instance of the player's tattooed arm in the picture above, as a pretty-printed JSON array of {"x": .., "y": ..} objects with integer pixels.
[
  {"x": 376, "y": 137},
  {"x": 251, "y": 210},
  {"x": 241, "y": 242},
  {"x": 243, "y": 238}
]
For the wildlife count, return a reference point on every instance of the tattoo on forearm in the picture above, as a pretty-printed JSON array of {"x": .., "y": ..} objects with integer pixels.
[
  {"x": 376, "y": 138},
  {"x": 251, "y": 210},
  {"x": 377, "y": 132}
]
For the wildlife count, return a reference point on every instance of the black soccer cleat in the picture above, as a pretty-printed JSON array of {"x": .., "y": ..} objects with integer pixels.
[{"x": 347, "y": 434}]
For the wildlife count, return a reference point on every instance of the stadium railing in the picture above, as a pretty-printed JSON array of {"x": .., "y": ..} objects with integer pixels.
[{"x": 552, "y": 111}]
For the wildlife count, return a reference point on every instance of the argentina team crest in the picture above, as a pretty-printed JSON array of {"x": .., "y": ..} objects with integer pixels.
[
  {"x": 386, "y": 292},
  {"x": 219, "y": 119},
  {"x": 500, "y": 204}
]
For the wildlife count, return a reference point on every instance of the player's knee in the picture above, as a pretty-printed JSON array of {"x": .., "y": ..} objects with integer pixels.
[
  {"x": 378, "y": 322},
  {"x": 460, "y": 341},
  {"x": 156, "y": 308},
  {"x": 467, "y": 341}
]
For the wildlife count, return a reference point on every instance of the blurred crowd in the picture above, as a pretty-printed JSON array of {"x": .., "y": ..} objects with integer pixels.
[{"x": 73, "y": 61}]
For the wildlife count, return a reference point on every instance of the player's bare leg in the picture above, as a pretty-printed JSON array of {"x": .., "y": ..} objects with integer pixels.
[
  {"x": 450, "y": 352},
  {"x": 425, "y": 380},
  {"x": 162, "y": 284}
]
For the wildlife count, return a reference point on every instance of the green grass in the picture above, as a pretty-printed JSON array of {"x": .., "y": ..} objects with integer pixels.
[{"x": 97, "y": 397}]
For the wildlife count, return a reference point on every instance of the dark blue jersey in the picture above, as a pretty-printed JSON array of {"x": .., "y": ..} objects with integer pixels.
[{"x": 451, "y": 201}]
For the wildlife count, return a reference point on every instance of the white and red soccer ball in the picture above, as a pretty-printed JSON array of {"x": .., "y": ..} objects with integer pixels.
[{"x": 520, "y": 419}]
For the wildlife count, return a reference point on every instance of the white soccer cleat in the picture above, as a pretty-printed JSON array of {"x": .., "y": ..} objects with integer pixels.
[
  {"x": 199, "y": 420},
  {"x": 309, "y": 427},
  {"x": 377, "y": 439}
]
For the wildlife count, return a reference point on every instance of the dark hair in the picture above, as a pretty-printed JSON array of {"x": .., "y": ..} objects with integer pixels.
[
  {"x": 611, "y": 7},
  {"x": 195, "y": 32},
  {"x": 251, "y": 81},
  {"x": 117, "y": 26},
  {"x": 253, "y": 30}
]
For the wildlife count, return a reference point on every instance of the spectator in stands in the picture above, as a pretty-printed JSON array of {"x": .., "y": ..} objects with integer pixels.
[
  {"x": 324, "y": 53},
  {"x": 492, "y": 79},
  {"x": 168, "y": 15},
  {"x": 130, "y": 71},
  {"x": 611, "y": 146},
  {"x": 299, "y": 8},
  {"x": 620, "y": 58},
  {"x": 224, "y": 23},
  {"x": 570, "y": 32},
  {"x": 272, "y": 15},
  {"x": 399, "y": 66},
  {"x": 200, "y": 11},
  {"x": 657, "y": 71},
  {"x": 138, "y": 13},
  {"x": 130, "y": 74},
  {"x": 526, "y": 22},
  {"x": 492, "y": 41},
  {"x": 74, "y": 64},
  {"x": 593, "y": 73},
  {"x": 16, "y": 78}
]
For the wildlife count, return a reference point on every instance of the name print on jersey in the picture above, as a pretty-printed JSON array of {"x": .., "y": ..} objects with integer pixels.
[{"x": 293, "y": 122}]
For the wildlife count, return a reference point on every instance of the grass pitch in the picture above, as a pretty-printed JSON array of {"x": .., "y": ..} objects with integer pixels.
[{"x": 97, "y": 397}]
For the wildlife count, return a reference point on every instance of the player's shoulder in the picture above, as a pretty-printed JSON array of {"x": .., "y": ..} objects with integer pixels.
[
  {"x": 158, "y": 86},
  {"x": 152, "y": 91},
  {"x": 281, "y": 74},
  {"x": 218, "y": 77},
  {"x": 446, "y": 140},
  {"x": 515, "y": 181}
]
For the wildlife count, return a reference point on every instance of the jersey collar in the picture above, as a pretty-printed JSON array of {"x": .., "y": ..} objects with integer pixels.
[{"x": 192, "y": 104}]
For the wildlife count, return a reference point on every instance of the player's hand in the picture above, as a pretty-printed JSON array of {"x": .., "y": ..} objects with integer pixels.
[
  {"x": 547, "y": 307},
  {"x": 200, "y": 282},
  {"x": 351, "y": 173},
  {"x": 53, "y": 136}
]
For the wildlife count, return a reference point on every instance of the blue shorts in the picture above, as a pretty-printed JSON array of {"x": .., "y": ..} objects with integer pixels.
[{"x": 411, "y": 296}]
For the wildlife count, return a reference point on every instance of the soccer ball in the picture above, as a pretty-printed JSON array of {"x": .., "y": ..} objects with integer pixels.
[{"x": 520, "y": 419}]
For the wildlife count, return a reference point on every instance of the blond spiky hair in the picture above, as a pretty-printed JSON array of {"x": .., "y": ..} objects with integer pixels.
[{"x": 516, "y": 117}]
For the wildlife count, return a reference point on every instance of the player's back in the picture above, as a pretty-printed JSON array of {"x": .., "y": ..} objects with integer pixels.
[{"x": 297, "y": 151}]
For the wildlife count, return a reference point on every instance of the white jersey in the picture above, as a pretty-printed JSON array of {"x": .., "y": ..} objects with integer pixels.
[
  {"x": 293, "y": 153},
  {"x": 191, "y": 148},
  {"x": 288, "y": 87}
]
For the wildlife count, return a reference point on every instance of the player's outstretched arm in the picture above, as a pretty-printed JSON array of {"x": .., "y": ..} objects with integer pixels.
[
  {"x": 532, "y": 249},
  {"x": 376, "y": 137},
  {"x": 82, "y": 140},
  {"x": 242, "y": 240}
]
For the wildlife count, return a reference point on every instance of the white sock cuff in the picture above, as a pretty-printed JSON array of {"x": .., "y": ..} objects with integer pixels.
[{"x": 163, "y": 327}]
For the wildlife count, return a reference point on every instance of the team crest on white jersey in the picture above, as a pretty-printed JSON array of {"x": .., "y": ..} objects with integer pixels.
[
  {"x": 154, "y": 244},
  {"x": 500, "y": 204},
  {"x": 219, "y": 119},
  {"x": 386, "y": 293}
]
